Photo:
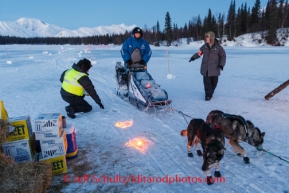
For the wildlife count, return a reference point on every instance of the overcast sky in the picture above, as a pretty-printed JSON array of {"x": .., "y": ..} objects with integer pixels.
[{"x": 72, "y": 14}]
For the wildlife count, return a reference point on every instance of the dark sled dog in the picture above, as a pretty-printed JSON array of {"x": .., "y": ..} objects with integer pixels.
[
  {"x": 237, "y": 129},
  {"x": 212, "y": 141}
]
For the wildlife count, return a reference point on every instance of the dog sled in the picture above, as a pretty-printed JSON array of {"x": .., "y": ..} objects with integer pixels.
[{"x": 138, "y": 87}]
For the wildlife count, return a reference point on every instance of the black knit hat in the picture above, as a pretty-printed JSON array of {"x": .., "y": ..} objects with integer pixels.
[
  {"x": 84, "y": 64},
  {"x": 137, "y": 30}
]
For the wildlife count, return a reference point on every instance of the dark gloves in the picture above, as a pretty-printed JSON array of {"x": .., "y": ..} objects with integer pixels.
[
  {"x": 221, "y": 67},
  {"x": 141, "y": 62},
  {"x": 192, "y": 59},
  {"x": 129, "y": 62},
  {"x": 101, "y": 105}
]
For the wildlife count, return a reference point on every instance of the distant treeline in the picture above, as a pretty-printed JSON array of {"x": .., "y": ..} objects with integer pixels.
[
  {"x": 96, "y": 40},
  {"x": 237, "y": 22}
]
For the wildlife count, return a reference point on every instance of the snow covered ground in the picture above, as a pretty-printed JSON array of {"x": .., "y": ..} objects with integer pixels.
[{"x": 32, "y": 86}]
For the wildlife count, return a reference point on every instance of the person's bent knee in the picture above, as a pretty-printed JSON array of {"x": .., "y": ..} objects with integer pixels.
[{"x": 88, "y": 109}]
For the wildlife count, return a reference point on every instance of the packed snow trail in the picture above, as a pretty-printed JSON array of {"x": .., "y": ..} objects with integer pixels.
[{"x": 30, "y": 87}]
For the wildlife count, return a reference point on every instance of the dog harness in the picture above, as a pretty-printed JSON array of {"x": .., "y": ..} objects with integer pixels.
[
  {"x": 248, "y": 139},
  {"x": 239, "y": 118}
]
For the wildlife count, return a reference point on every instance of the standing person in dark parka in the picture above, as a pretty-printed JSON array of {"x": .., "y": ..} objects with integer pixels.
[
  {"x": 214, "y": 60},
  {"x": 74, "y": 82}
]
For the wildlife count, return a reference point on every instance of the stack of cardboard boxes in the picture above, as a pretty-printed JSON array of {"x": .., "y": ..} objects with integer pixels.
[
  {"x": 51, "y": 141},
  {"x": 21, "y": 140}
]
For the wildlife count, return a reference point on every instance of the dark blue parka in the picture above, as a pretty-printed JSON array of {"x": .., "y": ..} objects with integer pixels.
[{"x": 132, "y": 43}]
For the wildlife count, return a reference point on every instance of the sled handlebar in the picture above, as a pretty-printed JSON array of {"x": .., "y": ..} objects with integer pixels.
[{"x": 137, "y": 67}]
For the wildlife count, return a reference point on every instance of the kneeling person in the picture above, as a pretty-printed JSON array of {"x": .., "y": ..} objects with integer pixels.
[{"x": 74, "y": 82}]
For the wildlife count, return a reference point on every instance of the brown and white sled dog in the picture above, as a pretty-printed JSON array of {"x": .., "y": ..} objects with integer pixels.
[
  {"x": 237, "y": 129},
  {"x": 212, "y": 142}
]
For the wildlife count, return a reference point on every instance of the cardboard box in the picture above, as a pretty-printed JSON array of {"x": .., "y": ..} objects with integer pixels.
[
  {"x": 48, "y": 126},
  {"x": 23, "y": 129},
  {"x": 20, "y": 151},
  {"x": 58, "y": 164},
  {"x": 53, "y": 147}
]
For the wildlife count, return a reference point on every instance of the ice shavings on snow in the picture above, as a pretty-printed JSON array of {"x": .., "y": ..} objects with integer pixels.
[{"x": 170, "y": 76}]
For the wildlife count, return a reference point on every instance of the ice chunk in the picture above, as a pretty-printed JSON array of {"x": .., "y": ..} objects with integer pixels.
[{"x": 170, "y": 76}]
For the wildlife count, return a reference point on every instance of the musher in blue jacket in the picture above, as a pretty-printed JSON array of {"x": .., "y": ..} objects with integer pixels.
[{"x": 135, "y": 49}]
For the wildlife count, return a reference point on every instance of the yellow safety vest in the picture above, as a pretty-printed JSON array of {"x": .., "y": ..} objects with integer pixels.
[{"x": 70, "y": 83}]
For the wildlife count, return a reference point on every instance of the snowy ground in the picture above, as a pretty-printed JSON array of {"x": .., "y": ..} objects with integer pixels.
[{"x": 31, "y": 86}]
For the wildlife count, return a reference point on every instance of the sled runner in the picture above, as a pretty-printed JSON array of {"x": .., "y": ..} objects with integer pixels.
[
  {"x": 139, "y": 88},
  {"x": 121, "y": 81}
]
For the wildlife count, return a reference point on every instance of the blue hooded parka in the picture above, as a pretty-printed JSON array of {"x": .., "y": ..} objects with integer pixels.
[{"x": 132, "y": 43}]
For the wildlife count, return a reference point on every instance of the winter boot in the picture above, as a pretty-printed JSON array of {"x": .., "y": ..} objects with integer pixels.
[
  {"x": 210, "y": 180},
  {"x": 199, "y": 152},
  {"x": 217, "y": 174},
  {"x": 246, "y": 160},
  {"x": 208, "y": 98},
  {"x": 70, "y": 112}
]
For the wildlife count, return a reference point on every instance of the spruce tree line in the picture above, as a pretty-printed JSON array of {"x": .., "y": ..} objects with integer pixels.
[{"x": 238, "y": 21}]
